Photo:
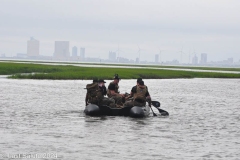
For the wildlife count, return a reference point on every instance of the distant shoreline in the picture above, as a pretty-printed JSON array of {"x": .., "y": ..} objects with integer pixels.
[
  {"x": 88, "y": 71},
  {"x": 221, "y": 68}
]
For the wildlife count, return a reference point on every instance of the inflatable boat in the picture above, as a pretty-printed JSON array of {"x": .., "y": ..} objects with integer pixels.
[{"x": 136, "y": 111}]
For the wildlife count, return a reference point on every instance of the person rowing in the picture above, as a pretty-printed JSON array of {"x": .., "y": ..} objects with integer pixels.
[{"x": 140, "y": 95}]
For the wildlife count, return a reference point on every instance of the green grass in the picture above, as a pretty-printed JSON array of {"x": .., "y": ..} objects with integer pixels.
[
  {"x": 167, "y": 66},
  {"x": 140, "y": 65},
  {"x": 75, "y": 72}
]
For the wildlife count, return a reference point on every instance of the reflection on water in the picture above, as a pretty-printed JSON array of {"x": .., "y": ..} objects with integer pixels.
[{"x": 45, "y": 116}]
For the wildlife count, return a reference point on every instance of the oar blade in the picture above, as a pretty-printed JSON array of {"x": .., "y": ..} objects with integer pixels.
[
  {"x": 156, "y": 103},
  {"x": 163, "y": 112}
]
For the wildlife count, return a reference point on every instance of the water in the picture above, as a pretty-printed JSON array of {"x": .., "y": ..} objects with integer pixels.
[{"x": 46, "y": 117}]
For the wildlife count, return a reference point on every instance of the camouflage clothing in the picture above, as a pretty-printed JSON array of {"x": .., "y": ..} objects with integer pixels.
[
  {"x": 108, "y": 102},
  {"x": 139, "y": 96},
  {"x": 132, "y": 103},
  {"x": 117, "y": 97},
  {"x": 95, "y": 95}
]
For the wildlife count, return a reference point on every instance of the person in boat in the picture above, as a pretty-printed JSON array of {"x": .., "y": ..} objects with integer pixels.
[
  {"x": 96, "y": 92},
  {"x": 113, "y": 92},
  {"x": 94, "y": 82},
  {"x": 140, "y": 95},
  {"x": 106, "y": 101},
  {"x": 131, "y": 94}
]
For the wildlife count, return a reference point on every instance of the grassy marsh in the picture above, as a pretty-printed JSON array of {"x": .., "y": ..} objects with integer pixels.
[{"x": 43, "y": 71}]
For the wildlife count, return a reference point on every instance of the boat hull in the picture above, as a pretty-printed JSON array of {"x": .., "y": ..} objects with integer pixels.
[
  {"x": 136, "y": 111},
  {"x": 139, "y": 112}
]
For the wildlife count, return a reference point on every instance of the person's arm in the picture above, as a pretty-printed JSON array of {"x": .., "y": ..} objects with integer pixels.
[
  {"x": 129, "y": 96},
  {"x": 148, "y": 97},
  {"x": 113, "y": 93},
  {"x": 132, "y": 92},
  {"x": 111, "y": 89}
]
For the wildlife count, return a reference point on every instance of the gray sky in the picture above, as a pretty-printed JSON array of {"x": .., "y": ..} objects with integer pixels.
[{"x": 190, "y": 26}]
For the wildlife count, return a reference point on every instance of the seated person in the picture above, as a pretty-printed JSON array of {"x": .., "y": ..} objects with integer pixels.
[
  {"x": 140, "y": 95},
  {"x": 95, "y": 94},
  {"x": 113, "y": 92}
]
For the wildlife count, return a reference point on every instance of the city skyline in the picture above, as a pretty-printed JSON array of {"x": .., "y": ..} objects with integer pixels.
[
  {"x": 179, "y": 56},
  {"x": 62, "y": 52},
  {"x": 179, "y": 29}
]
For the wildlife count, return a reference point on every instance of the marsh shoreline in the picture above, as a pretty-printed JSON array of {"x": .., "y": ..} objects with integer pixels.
[{"x": 43, "y": 70}]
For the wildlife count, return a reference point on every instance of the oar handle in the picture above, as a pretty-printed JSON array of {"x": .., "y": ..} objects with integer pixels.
[{"x": 149, "y": 103}]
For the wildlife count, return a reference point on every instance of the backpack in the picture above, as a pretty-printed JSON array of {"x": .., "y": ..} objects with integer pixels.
[
  {"x": 93, "y": 93},
  {"x": 140, "y": 94}
]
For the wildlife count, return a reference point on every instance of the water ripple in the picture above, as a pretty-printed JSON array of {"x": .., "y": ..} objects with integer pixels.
[{"x": 44, "y": 116}]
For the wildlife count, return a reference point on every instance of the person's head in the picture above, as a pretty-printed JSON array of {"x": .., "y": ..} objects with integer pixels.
[
  {"x": 116, "y": 78},
  {"x": 141, "y": 83},
  {"x": 101, "y": 82},
  {"x": 139, "y": 80}
]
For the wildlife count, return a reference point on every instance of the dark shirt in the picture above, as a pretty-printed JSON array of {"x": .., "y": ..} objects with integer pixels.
[
  {"x": 103, "y": 90},
  {"x": 113, "y": 86}
]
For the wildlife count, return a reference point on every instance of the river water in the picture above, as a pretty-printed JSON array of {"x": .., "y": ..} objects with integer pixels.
[{"x": 45, "y": 118}]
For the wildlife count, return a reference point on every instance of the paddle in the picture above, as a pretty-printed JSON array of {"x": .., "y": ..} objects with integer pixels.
[
  {"x": 157, "y": 104},
  {"x": 154, "y": 114},
  {"x": 149, "y": 103}
]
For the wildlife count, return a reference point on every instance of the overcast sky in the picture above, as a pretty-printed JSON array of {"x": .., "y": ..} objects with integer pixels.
[{"x": 172, "y": 26}]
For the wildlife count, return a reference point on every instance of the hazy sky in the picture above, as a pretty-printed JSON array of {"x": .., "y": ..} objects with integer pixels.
[{"x": 190, "y": 26}]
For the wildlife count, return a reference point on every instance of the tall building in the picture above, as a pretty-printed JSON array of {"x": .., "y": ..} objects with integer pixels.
[
  {"x": 137, "y": 60},
  {"x": 82, "y": 53},
  {"x": 112, "y": 56},
  {"x": 203, "y": 58},
  {"x": 32, "y": 47},
  {"x": 156, "y": 58},
  {"x": 230, "y": 60},
  {"x": 74, "y": 51},
  {"x": 195, "y": 60},
  {"x": 61, "y": 49}
]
